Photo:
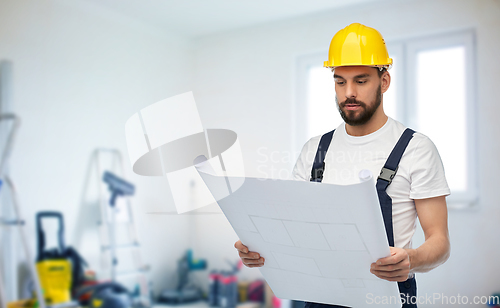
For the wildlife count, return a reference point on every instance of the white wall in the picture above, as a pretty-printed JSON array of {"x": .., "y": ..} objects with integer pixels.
[
  {"x": 244, "y": 81},
  {"x": 79, "y": 73}
]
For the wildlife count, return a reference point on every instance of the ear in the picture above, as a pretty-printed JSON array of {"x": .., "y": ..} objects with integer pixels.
[{"x": 385, "y": 81}]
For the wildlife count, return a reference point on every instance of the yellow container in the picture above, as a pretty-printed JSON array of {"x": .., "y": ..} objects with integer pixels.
[
  {"x": 55, "y": 278},
  {"x": 25, "y": 303}
]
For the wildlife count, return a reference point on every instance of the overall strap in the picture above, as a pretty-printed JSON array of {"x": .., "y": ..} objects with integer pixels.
[
  {"x": 385, "y": 178},
  {"x": 319, "y": 161},
  {"x": 392, "y": 163}
]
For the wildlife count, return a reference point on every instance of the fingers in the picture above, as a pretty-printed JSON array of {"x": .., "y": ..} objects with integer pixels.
[
  {"x": 239, "y": 245},
  {"x": 397, "y": 255},
  {"x": 392, "y": 272},
  {"x": 400, "y": 257},
  {"x": 402, "y": 265},
  {"x": 400, "y": 275},
  {"x": 393, "y": 268},
  {"x": 254, "y": 263},
  {"x": 389, "y": 260},
  {"x": 252, "y": 259},
  {"x": 249, "y": 258}
]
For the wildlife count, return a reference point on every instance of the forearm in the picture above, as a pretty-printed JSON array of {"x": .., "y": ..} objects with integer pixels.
[{"x": 432, "y": 253}]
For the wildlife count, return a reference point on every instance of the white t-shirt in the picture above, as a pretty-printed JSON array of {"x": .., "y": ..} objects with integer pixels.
[{"x": 420, "y": 174}]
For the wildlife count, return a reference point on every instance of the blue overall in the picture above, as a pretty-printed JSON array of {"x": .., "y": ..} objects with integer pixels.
[{"x": 408, "y": 288}]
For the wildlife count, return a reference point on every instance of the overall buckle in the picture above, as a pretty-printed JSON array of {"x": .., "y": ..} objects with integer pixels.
[{"x": 387, "y": 174}]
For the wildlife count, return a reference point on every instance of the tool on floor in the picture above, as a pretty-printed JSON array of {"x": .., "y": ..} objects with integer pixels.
[
  {"x": 107, "y": 295},
  {"x": 54, "y": 269},
  {"x": 228, "y": 286},
  {"x": 61, "y": 269},
  {"x": 186, "y": 291}
]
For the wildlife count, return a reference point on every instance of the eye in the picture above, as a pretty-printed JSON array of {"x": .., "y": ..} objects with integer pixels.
[
  {"x": 340, "y": 82},
  {"x": 361, "y": 81}
]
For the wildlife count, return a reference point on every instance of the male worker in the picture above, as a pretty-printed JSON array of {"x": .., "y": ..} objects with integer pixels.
[{"x": 412, "y": 180}]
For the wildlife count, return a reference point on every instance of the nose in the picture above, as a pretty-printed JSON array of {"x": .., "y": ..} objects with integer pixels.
[{"x": 350, "y": 91}]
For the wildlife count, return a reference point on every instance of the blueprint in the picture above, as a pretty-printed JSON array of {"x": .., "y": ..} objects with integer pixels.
[{"x": 318, "y": 240}]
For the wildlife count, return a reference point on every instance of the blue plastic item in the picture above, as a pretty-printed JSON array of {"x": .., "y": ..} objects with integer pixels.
[{"x": 117, "y": 186}]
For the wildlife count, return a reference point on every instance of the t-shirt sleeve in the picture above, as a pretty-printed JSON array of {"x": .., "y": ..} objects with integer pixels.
[
  {"x": 299, "y": 172},
  {"x": 427, "y": 172}
]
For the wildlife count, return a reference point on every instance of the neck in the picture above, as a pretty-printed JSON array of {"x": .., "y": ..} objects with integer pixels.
[{"x": 375, "y": 123}]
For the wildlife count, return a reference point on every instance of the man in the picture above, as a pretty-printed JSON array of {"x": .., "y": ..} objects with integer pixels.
[{"x": 412, "y": 181}]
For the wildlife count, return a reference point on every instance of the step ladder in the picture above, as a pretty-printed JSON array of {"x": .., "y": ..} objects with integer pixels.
[
  {"x": 14, "y": 220},
  {"x": 106, "y": 159}
]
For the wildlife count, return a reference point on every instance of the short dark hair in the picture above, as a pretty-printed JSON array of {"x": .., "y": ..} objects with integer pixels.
[{"x": 380, "y": 72}]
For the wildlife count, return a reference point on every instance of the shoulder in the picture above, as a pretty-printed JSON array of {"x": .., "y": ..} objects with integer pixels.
[
  {"x": 425, "y": 161},
  {"x": 423, "y": 167},
  {"x": 305, "y": 160},
  {"x": 419, "y": 140},
  {"x": 422, "y": 144},
  {"x": 311, "y": 144},
  {"x": 427, "y": 174},
  {"x": 313, "y": 140},
  {"x": 309, "y": 149},
  {"x": 421, "y": 150}
]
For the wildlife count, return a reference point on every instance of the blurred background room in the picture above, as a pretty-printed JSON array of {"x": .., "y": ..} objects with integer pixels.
[{"x": 73, "y": 71}]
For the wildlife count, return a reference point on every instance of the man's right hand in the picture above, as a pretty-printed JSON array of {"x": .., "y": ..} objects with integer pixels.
[{"x": 249, "y": 258}]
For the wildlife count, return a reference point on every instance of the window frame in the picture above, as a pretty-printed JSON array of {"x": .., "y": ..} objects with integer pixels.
[{"x": 300, "y": 114}]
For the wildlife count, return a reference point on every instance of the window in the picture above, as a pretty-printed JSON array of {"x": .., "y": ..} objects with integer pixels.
[{"x": 432, "y": 81}]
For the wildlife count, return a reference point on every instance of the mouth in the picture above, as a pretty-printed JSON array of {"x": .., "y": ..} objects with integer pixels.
[{"x": 352, "y": 106}]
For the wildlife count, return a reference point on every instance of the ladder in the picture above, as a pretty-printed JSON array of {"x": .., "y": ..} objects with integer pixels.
[
  {"x": 16, "y": 221},
  {"x": 108, "y": 224}
]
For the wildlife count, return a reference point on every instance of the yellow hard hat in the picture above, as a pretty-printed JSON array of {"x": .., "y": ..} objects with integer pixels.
[{"x": 357, "y": 44}]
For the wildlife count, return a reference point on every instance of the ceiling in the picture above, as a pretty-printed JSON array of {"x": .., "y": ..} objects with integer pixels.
[{"x": 193, "y": 18}]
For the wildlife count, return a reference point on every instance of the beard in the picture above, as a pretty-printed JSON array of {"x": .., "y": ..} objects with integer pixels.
[{"x": 352, "y": 117}]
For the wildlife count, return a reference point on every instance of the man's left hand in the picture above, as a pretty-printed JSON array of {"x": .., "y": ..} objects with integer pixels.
[{"x": 396, "y": 267}]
